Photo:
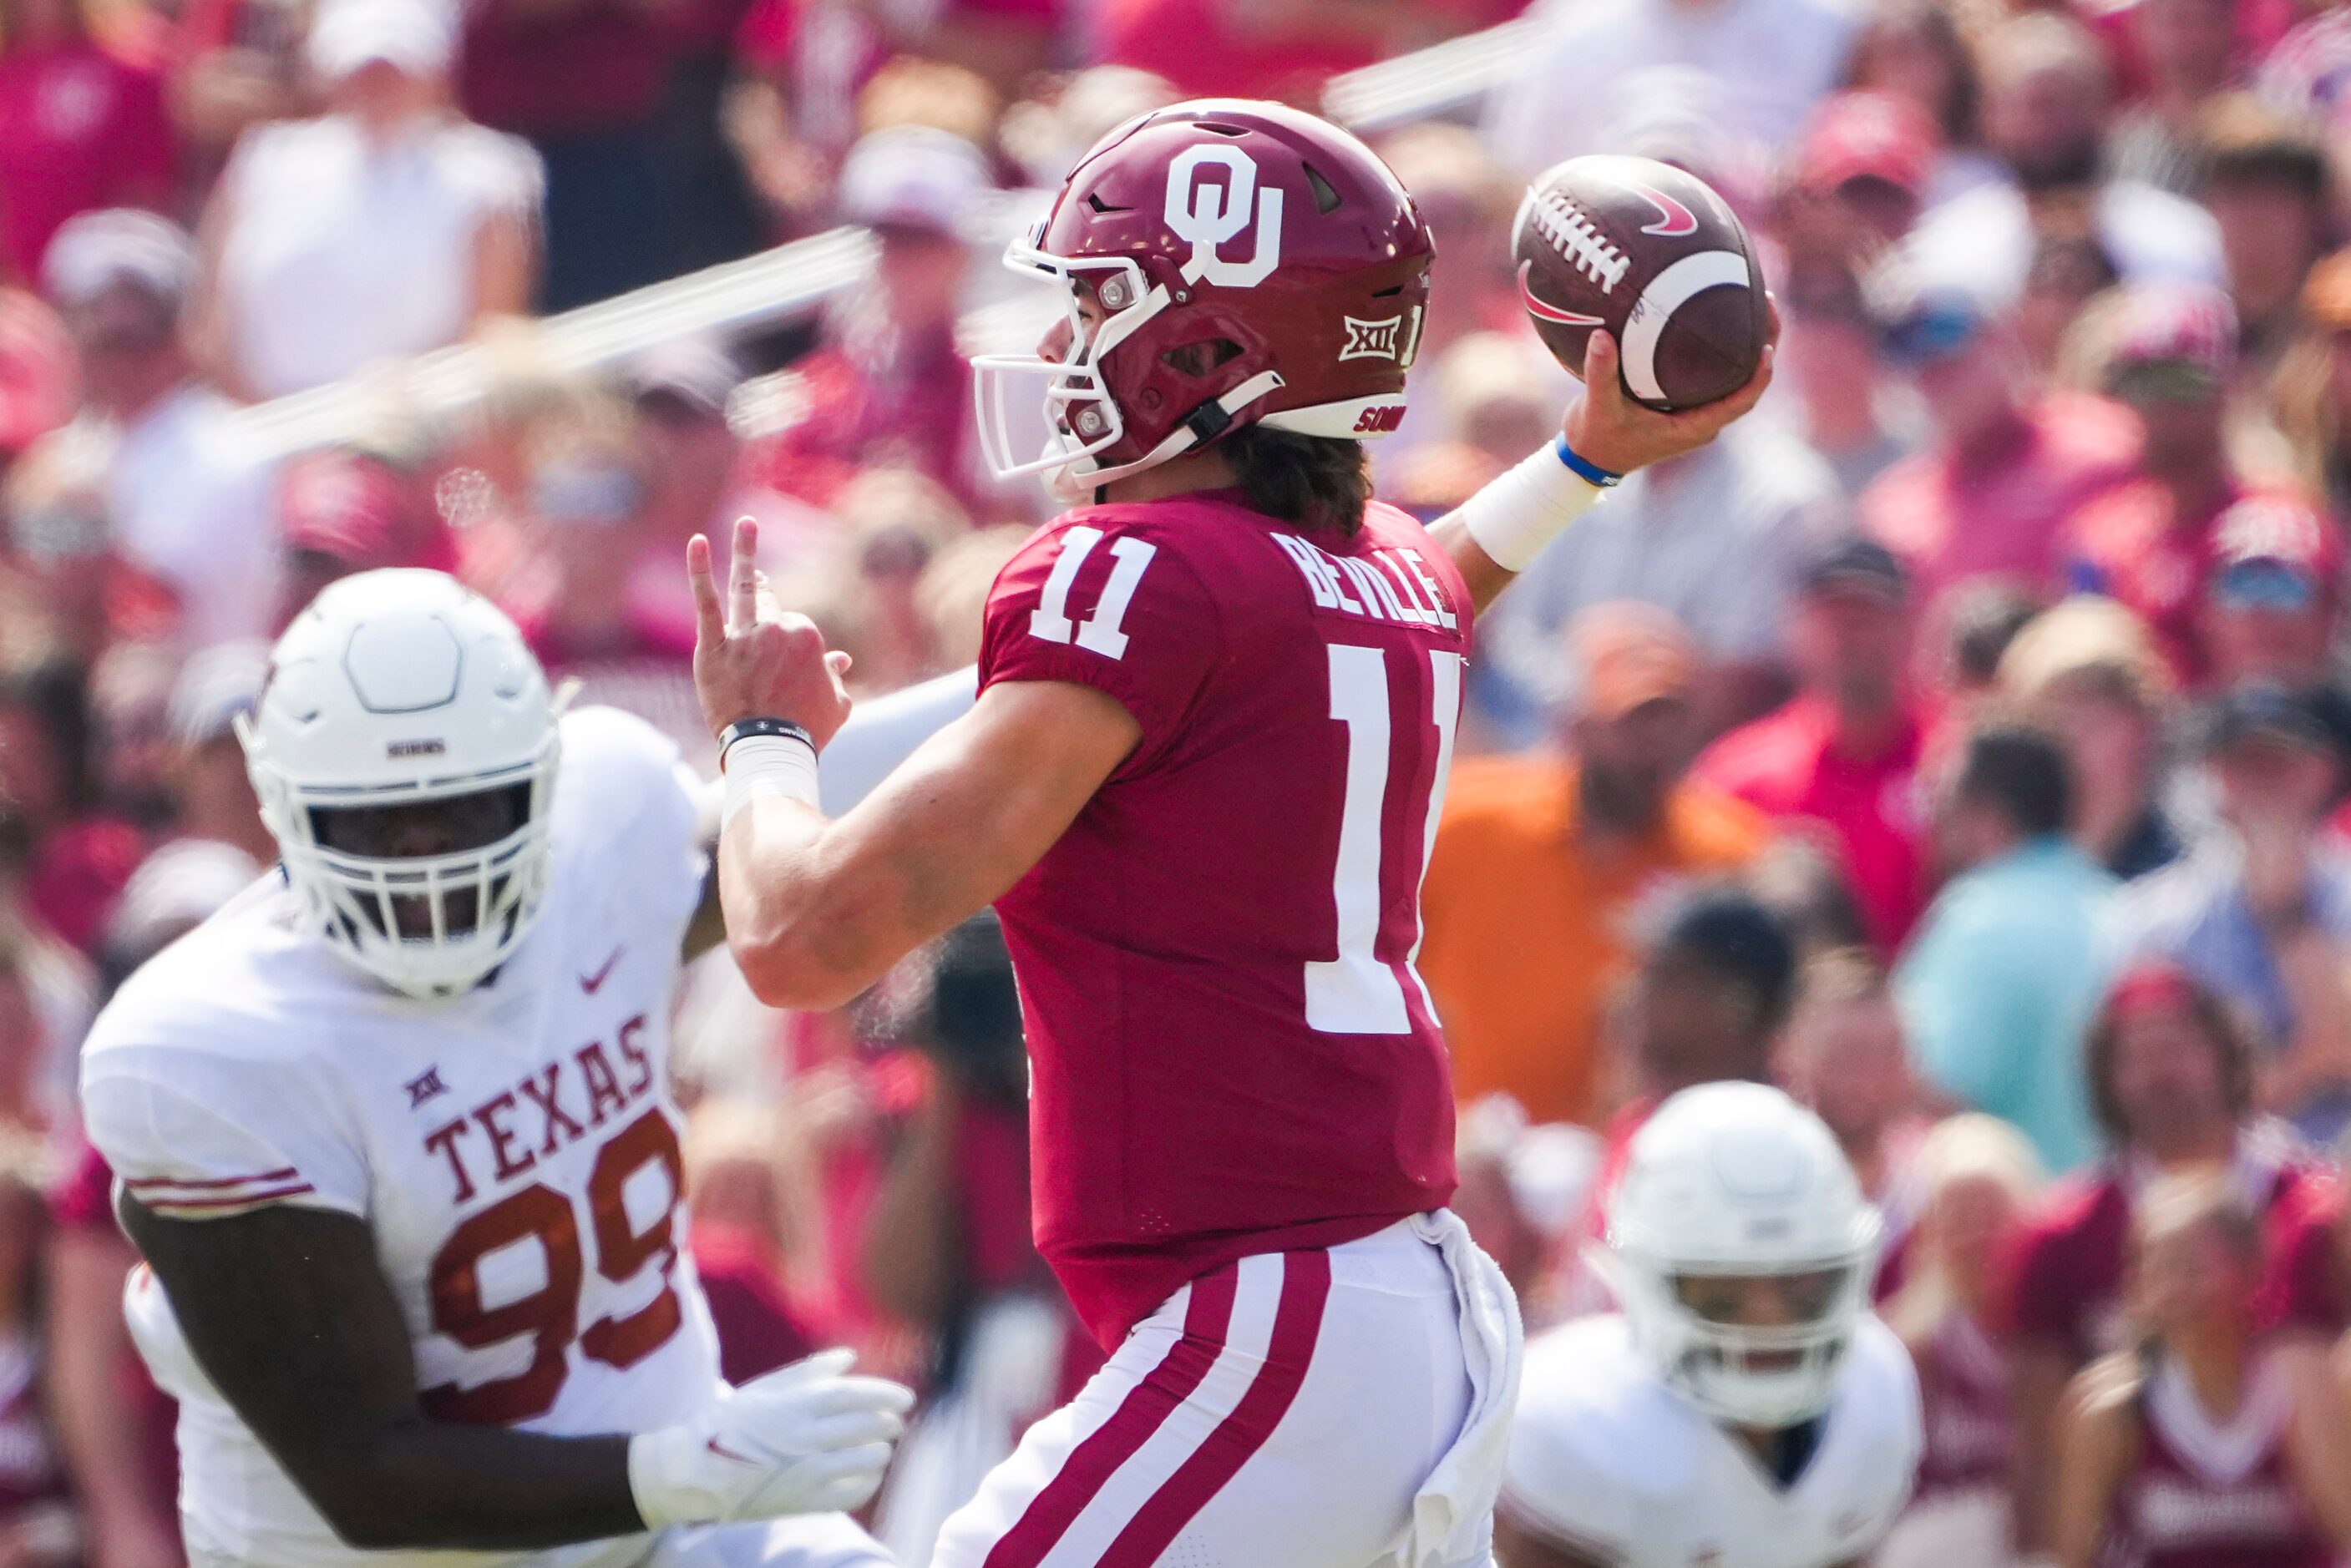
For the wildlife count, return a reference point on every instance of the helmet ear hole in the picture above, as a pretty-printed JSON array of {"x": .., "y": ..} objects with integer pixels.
[{"x": 1203, "y": 359}]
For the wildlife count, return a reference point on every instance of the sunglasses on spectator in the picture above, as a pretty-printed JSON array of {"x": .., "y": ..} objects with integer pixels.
[{"x": 2265, "y": 585}]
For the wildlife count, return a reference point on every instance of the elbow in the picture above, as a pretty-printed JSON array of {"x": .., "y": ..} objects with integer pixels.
[{"x": 780, "y": 963}]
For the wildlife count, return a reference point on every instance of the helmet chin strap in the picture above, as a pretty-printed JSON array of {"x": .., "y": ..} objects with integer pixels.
[{"x": 1206, "y": 422}]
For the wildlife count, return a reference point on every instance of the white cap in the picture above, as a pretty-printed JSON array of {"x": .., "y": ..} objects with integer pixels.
[
  {"x": 916, "y": 176},
  {"x": 417, "y": 37},
  {"x": 92, "y": 252}
]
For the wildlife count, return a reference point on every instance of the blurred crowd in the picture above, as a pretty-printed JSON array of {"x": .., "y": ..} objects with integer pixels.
[{"x": 1962, "y": 741}]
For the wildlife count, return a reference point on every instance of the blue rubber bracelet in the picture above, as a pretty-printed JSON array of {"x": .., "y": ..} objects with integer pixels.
[{"x": 1584, "y": 469}]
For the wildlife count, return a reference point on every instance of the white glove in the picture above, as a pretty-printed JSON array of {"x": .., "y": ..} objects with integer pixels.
[{"x": 802, "y": 1439}]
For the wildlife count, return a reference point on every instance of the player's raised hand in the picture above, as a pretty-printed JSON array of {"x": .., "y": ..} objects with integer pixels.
[
  {"x": 753, "y": 660},
  {"x": 806, "y": 1438},
  {"x": 1606, "y": 427}
]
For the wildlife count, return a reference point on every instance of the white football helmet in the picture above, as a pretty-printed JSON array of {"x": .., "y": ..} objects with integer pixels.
[
  {"x": 1733, "y": 1182},
  {"x": 397, "y": 689}
]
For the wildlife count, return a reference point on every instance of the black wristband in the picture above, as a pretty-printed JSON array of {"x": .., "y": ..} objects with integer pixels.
[{"x": 744, "y": 729}]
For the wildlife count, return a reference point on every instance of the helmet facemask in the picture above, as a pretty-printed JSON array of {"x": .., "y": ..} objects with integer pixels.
[
  {"x": 1697, "y": 1325},
  {"x": 1082, "y": 416},
  {"x": 429, "y": 924}
]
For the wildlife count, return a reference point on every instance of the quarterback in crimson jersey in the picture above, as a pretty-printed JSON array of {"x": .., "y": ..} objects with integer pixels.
[{"x": 1217, "y": 711}]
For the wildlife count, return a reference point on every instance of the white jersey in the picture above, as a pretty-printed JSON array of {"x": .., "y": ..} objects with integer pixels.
[
  {"x": 1613, "y": 1464},
  {"x": 514, "y": 1149}
]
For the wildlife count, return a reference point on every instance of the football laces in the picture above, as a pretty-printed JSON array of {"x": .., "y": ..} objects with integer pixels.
[{"x": 1575, "y": 236}]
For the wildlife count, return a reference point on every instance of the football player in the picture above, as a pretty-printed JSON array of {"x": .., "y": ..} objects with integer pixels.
[
  {"x": 1218, "y": 707},
  {"x": 1743, "y": 1408},
  {"x": 394, "y": 1135}
]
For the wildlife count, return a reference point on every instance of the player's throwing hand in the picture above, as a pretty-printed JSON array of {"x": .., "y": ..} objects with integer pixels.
[
  {"x": 752, "y": 659},
  {"x": 1605, "y": 427}
]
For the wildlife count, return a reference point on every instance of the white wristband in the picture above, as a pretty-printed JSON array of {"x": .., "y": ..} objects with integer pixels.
[
  {"x": 759, "y": 765},
  {"x": 1523, "y": 509},
  {"x": 661, "y": 1467}
]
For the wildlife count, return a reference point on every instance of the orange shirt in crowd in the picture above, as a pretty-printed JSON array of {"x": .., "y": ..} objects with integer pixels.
[{"x": 1527, "y": 921}]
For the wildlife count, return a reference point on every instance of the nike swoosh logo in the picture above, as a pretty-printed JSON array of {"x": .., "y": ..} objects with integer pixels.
[
  {"x": 592, "y": 983},
  {"x": 724, "y": 1453},
  {"x": 1673, "y": 219},
  {"x": 1543, "y": 310}
]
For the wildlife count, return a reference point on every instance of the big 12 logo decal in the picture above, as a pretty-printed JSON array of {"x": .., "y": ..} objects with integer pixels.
[{"x": 1209, "y": 214}]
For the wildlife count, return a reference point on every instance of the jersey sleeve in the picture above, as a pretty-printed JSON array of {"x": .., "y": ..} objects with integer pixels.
[
  {"x": 624, "y": 789},
  {"x": 2042, "y": 1288},
  {"x": 1096, "y": 605},
  {"x": 197, "y": 1135}
]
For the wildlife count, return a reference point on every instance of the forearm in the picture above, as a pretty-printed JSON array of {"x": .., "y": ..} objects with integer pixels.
[
  {"x": 423, "y": 1485},
  {"x": 2039, "y": 1376},
  {"x": 909, "y": 1247},
  {"x": 98, "y": 1429},
  {"x": 805, "y": 926},
  {"x": 1497, "y": 532}
]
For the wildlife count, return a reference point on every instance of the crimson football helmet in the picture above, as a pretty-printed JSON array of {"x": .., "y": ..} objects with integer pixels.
[{"x": 1246, "y": 263}]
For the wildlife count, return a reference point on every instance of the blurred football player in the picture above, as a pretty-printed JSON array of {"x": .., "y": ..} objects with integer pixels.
[
  {"x": 1217, "y": 708},
  {"x": 394, "y": 1134},
  {"x": 1743, "y": 1408}
]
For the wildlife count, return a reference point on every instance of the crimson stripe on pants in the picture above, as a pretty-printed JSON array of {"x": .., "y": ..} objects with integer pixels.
[
  {"x": 1092, "y": 1462},
  {"x": 1297, "y": 1323}
]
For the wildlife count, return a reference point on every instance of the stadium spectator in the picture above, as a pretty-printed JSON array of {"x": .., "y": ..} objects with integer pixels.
[
  {"x": 2012, "y": 959},
  {"x": 350, "y": 510},
  {"x": 37, "y": 371},
  {"x": 2048, "y": 91},
  {"x": 1717, "y": 538},
  {"x": 1542, "y": 864},
  {"x": 1858, "y": 178},
  {"x": 2185, "y": 55},
  {"x": 85, "y": 129},
  {"x": 889, "y": 388},
  {"x": 1844, "y": 753},
  {"x": 1282, "y": 49},
  {"x": 2312, "y": 398},
  {"x": 113, "y": 1426},
  {"x": 2138, "y": 1470},
  {"x": 1975, "y": 1178},
  {"x": 1760, "y": 65},
  {"x": 1914, "y": 49},
  {"x": 387, "y": 226},
  {"x": 185, "y": 505},
  {"x": 38, "y": 1526},
  {"x": 865, "y": 582},
  {"x": 80, "y": 852},
  {"x": 2087, "y": 671},
  {"x": 1842, "y": 1054},
  {"x": 1860, "y": 418},
  {"x": 2260, "y": 909},
  {"x": 211, "y": 798},
  {"x": 2171, "y": 1085},
  {"x": 77, "y": 592},
  {"x": 2007, "y": 463},
  {"x": 2268, "y": 184},
  {"x": 1986, "y": 616},
  {"x": 2272, "y": 594}
]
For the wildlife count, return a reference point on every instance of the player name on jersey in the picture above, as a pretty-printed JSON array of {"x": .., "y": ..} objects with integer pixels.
[{"x": 1406, "y": 592}]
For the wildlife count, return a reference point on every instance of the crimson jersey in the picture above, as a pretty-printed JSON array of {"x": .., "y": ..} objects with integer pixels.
[
  {"x": 2067, "y": 1285},
  {"x": 1964, "y": 1395},
  {"x": 2206, "y": 1493},
  {"x": 1231, "y": 1052}
]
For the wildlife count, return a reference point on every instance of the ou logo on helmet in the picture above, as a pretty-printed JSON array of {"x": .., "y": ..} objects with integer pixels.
[{"x": 1209, "y": 214}]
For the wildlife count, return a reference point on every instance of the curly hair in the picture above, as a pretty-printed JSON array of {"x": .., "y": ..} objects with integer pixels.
[{"x": 1318, "y": 482}]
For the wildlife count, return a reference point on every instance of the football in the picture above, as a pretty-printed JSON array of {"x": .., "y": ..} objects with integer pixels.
[{"x": 1652, "y": 254}]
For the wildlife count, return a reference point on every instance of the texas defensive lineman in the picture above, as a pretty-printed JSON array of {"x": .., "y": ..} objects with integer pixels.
[
  {"x": 1216, "y": 713},
  {"x": 1743, "y": 1408},
  {"x": 394, "y": 1132}
]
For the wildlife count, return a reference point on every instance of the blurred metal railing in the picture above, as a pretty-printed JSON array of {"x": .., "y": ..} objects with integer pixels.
[{"x": 741, "y": 297}]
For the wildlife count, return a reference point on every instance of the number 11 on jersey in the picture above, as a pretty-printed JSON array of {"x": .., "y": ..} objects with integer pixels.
[{"x": 1359, "y": 993}]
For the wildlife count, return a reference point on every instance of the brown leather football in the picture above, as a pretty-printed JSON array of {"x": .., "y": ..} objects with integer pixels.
[{"x": 1652, "y": 254}]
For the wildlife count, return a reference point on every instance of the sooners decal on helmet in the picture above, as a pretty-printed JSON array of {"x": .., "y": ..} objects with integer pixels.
[{"x": 1208, "y": 214}]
